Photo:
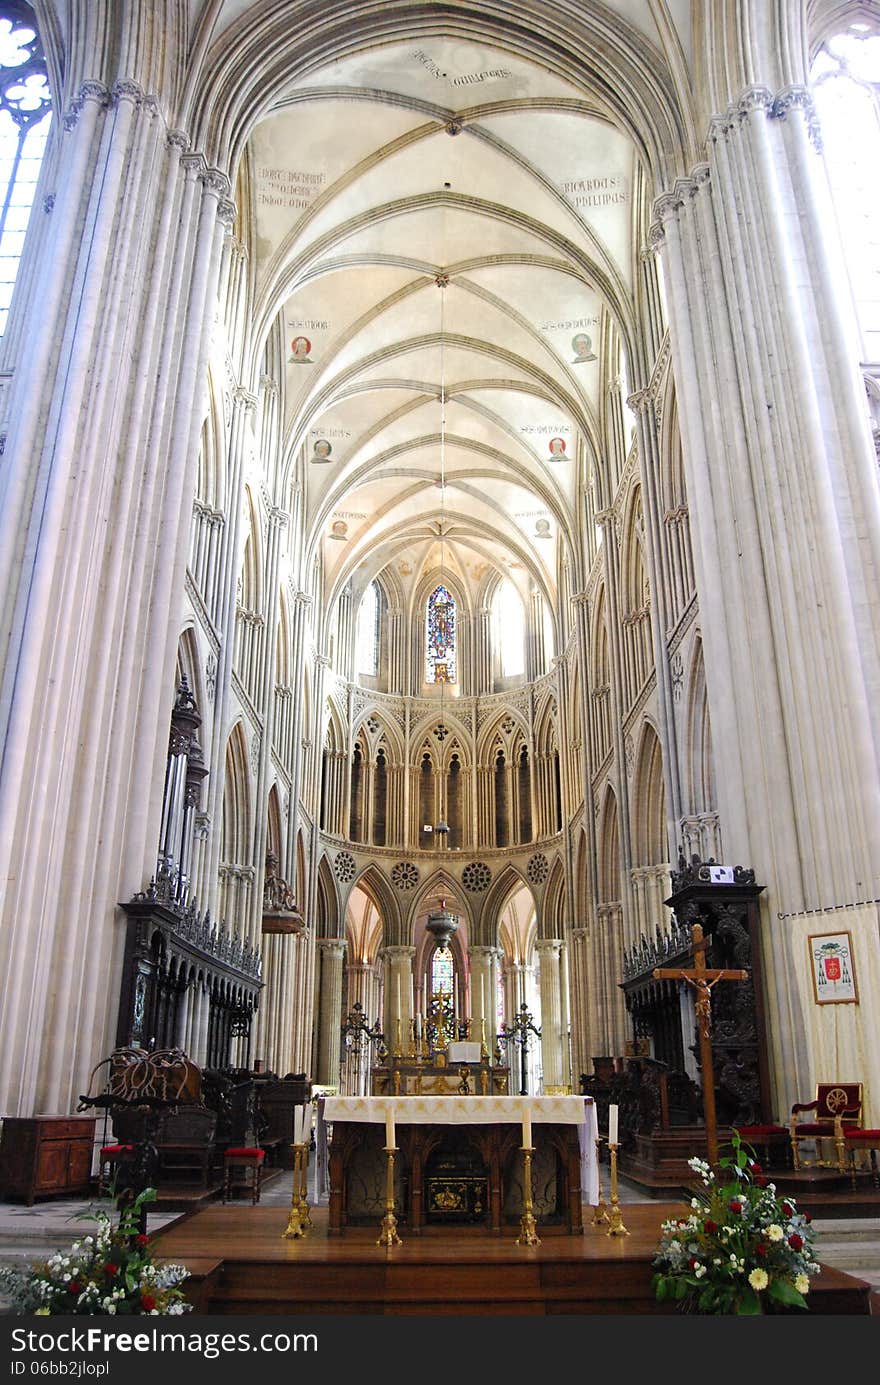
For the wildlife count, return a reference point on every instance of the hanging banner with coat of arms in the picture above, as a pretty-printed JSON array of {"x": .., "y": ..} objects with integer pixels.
[{"x": 834, "y": 976}]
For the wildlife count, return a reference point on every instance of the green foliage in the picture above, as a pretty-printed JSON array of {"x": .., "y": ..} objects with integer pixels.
[{"x": 741, "y": 1249}]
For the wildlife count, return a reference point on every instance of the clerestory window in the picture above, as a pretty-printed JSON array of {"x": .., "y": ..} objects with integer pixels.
[{"x": 25, "y": 116}]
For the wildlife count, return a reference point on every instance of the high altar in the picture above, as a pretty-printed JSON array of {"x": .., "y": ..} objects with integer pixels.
[{"x": 460, "y": 1159}]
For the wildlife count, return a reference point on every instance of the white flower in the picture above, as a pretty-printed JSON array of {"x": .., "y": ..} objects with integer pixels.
[
  {"x": 699, "y": 1271},
  {"x": 759, "y": 1279},
  {"x": 774, "y": 1232},
  {"x": 802, "y": 1284}
]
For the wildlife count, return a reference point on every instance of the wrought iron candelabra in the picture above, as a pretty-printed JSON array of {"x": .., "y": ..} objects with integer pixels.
[{"x": 518, "y": 1032}]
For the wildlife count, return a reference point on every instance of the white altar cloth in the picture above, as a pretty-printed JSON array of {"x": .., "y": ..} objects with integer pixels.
[{"x": 481, "y": 1110}]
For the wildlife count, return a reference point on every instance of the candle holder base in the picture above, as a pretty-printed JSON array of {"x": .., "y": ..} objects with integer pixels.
[
  {"x": 388, "y": 1231},
  {"x": 388, "y": 1227},
  {"x": 528, "y": 1234},
  {"x": 528, "y": 1231},
  {"x": 600, "y": 1213},
  {"x": 294, "y": 1224},
  {"x": 298, "y": 1221},
  {"x": 615, "y": 1220}
]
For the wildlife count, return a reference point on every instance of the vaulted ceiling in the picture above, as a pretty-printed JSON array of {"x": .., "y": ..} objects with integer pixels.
[{"x": 448, "y": 236}]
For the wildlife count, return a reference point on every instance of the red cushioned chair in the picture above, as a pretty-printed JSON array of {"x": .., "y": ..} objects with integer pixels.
[
  {"x": 855, "y": 1139},
  {"x": 246, "y": 1157},
  {"x": 837, "y": 1107},
  {"x": 111, "y": 1157},
  {"x": 766, "y": 1140}
]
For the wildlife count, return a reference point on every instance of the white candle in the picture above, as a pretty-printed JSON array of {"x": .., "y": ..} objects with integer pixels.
[
  {"x": 482, "y": 997},
  {"x": 389, "y": 1128},
  {"x": 527, "y": 1128},
  {"x": 612, "y": 1125},
  {"x": 399, "y": 1011}
]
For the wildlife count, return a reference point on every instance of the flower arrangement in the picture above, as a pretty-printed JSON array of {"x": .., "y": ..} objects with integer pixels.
[
  {"x": 742, "y": 1249},
  {"x": 110, "y": 1272}
]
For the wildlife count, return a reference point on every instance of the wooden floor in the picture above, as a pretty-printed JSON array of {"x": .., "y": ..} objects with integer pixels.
[{"x": 241, "y": 1263}]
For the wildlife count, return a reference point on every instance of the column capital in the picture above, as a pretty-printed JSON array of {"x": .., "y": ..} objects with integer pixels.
[
  {"x": 398, "y": 953},
  {"x": 483, "y": 951},
  {"x": 548, "y": 946},
  {"x": 334, "y": 947}
]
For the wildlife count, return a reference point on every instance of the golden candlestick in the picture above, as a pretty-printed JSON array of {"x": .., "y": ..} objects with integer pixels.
[
  {"x": 616, "y": 1226},
  {"x": 528, "y": 1234},
  {"x": 398, "y": 1049},
  {"x": 303, "y": 1183},
  {"x": 298, "y": 1220},
  {"x": 388, "y": 1231},
  {"x": 484, "y": 1052},
  {"x": 600, "y": 1211}
]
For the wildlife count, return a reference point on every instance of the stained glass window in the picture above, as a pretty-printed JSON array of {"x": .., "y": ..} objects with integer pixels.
[
  {"x": 440, "y": 637},
  {"x": 442, "y": 971},
  {"x": 24, "y": 127}
]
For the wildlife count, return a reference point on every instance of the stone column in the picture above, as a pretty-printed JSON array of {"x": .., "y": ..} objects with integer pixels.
[
  {"x": 554, "y": 1044},
  {"x": 126, "y": 270},
  {"x": 332, "y": 951},
  {"x": 482, "y": 994},
  {"x": 398, "y": 996}
]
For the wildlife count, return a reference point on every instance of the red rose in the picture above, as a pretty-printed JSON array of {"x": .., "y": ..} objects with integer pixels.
[
  {"x": 709, "y": 1226},
  {"x": 788, "y": 1209},
  {"x": 807, "y": 1218},
  {"x": 735, "y": 1205},
  {"x": 693, "y": 1262},
  {"x": 148, "y": 1303},
  {"x": 141, "y": 1239},
  {"x": 75, "y": 1287},
  {"x": 756, "y": 1168},
  {"x": 796, "y": 1241},
  {"x": 760, "y": 1250},
  {"x": 111, "y": 1269},
  {"x": 761, "y": 1181}
]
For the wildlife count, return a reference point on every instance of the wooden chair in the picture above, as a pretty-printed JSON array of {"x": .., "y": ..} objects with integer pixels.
[
  {"x": 837, "y": 1108},
  {"x": 768, "y": 1141},
  {"x": 186, "y": 1145},
  {"x": 856, "y": 1139},
  {"x": 248, "y": 1158},
  {"x": 109, "y": 1160}
]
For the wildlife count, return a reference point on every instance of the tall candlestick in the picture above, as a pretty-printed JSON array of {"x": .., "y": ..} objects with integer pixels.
[
  {"x": 527, "y": 1128},
  {"x": 612, "y": 1125}
]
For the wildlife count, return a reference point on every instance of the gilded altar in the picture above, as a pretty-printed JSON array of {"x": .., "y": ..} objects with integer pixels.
[{"x": 404, "y": 1075}]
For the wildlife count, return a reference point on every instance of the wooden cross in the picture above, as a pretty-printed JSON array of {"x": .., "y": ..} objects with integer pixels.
[{"x": 703, "y": 978}]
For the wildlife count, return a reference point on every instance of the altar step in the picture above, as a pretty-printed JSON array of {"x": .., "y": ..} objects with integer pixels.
[
  {"x": 851, "y": 1244},
  {"x": 242, "y": 1264}
]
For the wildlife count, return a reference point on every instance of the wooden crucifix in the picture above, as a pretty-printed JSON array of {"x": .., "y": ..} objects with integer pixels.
[{"x": 703, "y": 978}]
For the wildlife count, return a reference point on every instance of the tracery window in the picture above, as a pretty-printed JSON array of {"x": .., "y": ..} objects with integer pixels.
[
  {"x": 510, "y": 628},
  {"x": 367, "y": 651},
  {"x": 846, "y": 92},
  {"x": 25, "y": 117},
  {"x": 440, "y": 637}
]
